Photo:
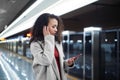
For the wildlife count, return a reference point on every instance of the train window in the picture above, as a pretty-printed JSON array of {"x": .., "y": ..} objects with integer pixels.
[
  {"x": 119, "y": 54},
  {"x": 28, "y": 53},
  {"x": 109, "y": 52},
  {"x": 75, "y": 44},
  {"x": 88, "y": 55}
]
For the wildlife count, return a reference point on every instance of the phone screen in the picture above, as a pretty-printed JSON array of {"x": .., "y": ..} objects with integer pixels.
[{"x": 77, "y": 56}]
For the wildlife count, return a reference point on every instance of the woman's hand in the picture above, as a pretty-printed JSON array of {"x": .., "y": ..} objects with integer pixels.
[
  {"x": 70, "y": 61},
  {"x": 46, "y": 30}
]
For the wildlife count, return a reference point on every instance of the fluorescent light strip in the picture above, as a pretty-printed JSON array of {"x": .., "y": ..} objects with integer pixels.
[
  {"x": 65, "y": 6},
  {"x": 59, "y": 8},
  {"x": 92, "y": 29},
  {"x": 22, "y": 15},
  {"x": 25, "y": 25}
]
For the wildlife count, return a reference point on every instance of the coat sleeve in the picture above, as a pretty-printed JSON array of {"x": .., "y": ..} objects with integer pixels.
[{"x": 43, "y": 56}]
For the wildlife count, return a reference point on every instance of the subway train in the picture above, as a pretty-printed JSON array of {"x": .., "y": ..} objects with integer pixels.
[{"x": 99, "y": 58}]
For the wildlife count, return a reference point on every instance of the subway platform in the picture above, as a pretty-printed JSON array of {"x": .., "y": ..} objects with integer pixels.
[{"x": 14, "y": 67}]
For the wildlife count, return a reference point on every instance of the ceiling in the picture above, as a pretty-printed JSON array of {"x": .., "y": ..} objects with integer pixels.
[
  {"x": 103, "y": 13},
  {"x": 10, "y": 10}
]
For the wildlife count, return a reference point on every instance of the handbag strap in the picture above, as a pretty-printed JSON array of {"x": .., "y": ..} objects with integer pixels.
[{"x": 40, "y": 44}]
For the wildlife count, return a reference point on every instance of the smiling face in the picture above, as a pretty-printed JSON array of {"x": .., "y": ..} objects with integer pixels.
[{"x": 53, "y": 24}]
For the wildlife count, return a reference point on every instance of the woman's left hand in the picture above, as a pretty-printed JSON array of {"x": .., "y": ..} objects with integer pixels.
[{"x": 70, "y": 61}]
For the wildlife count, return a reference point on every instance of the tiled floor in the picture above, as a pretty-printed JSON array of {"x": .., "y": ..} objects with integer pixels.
[
  {"x": 14, "y": 67},
  {"x": 22, "y": 69},
  {"x": 2, "y": 74}
]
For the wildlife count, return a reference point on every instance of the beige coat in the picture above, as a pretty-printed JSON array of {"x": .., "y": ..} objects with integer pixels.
[{"x": 44, "y": 63}]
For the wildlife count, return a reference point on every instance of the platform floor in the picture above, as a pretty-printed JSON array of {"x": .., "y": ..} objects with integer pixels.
[{"x": 14, "y": 67}]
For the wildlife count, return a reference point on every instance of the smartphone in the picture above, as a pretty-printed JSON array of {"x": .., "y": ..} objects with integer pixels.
[{"x": 77, "y": 56}]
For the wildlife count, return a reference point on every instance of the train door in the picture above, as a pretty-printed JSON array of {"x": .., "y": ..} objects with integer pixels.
[
  {"x": 73, "y": 45},
  {"x": 110, "y": 55},
  {"x": 91, "y": 52},
  {"x": 101, "y": 58}
]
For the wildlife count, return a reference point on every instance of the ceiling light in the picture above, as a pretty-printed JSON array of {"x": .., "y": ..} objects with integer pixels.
[
  {"x": 65, "y": 6},
  {"x": 92, "y": 29},
  {"x": 2, "y": 11},
  {"x": 12, "y": 1},
  {"x": 59, "y": 8}
]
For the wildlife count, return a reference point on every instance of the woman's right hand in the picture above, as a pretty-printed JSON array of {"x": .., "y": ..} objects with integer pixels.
[{"x": 46, "y": 30}]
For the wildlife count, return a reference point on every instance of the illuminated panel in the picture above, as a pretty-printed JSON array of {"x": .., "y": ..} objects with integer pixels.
[
  {"x": 65, "y": 6},
  {"x": 59, "y": 8}
]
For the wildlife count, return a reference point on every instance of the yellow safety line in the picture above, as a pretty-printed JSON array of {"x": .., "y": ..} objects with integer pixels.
[{"x": 71, "y": 77}]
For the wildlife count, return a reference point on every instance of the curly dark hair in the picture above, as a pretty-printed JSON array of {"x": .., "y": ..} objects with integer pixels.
[{"x": 42, "y": 20}]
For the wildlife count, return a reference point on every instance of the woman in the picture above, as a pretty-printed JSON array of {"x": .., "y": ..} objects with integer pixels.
[{"x": 46, "y": 48}]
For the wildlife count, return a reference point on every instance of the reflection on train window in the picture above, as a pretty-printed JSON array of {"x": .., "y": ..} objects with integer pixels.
[
  {"x": 14, "y": 46},
  {"x": 119, "y": 54},
  {"x": 20, "y": 47},
  {"x": 109, "y": 50},
  {"x": 65, "y": 46},
  {"x": 75, "y": 45},
  {"x": 88, "y": 55},
  {"x": 28, "y": 53}
]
